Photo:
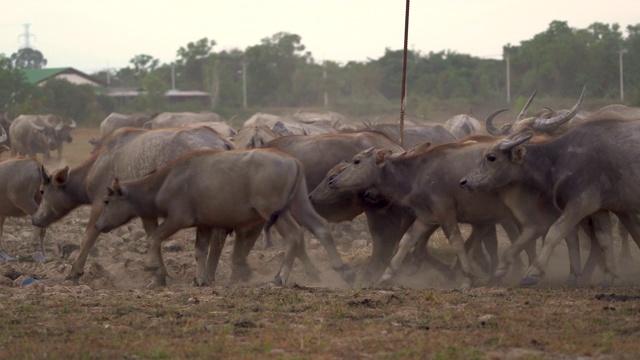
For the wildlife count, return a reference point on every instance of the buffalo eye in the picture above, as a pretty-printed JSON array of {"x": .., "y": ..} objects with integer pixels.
[
  {"x": 356, "y": 161},
  {"x": 41, "y": 192},
  {"x": 105, "y": 201},
  {"x": 491, "y": 157}
]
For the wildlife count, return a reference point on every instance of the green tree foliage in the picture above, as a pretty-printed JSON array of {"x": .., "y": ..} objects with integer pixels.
[
  {"x": 271, "y": 68},
  {"x": 143, "y": 64},
  {"x": 28, "y": 58},
  {"x": 193, "y": 64},
  {"x": 14, "y": 88},
  {"x": 64, "y": 98}
]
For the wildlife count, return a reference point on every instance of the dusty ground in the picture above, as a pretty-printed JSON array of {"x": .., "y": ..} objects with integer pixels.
[{"x": 111, "y": 314}]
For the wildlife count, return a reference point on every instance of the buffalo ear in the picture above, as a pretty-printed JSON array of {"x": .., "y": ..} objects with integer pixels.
[
  {"x": 517, "y": 154},
  {"x": 46, "y": 179},
  {"x": 61, "y": 176},
  {"x": 115, "y": 186},
  {"x": 382, "y": 155}
]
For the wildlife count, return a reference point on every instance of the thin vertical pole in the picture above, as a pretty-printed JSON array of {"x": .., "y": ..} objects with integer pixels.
[{"x": 403, "y": 96}]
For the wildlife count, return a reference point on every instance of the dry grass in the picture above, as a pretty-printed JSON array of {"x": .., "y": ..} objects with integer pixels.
[{"x": 111, "y": 314}]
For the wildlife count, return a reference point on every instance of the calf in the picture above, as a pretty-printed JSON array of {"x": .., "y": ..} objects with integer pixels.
[{"x": 196, "y": 191}]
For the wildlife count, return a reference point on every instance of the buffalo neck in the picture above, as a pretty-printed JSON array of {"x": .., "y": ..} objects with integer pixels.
[
  {"x": 396, "y": 177},
  {"x": 142, "y": 194},
  {"x": 538, "y": 165},
  {"x": 76, "y": 185}
]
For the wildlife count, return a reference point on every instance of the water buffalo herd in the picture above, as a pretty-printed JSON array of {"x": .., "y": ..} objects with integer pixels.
[{"x": 551, "y": 176}]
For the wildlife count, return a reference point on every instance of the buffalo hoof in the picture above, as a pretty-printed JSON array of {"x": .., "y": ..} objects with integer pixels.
[
  {"x": 241, "y": 275},
  {"x": 74, "y": 276},
  {"x": 386, "y": 280},
  {"x": 529, "y": 280},
  {"x": 198, "y": 282},
  {"x": 499, "y": 274},
  {"x": 347, "y": 274},
  {"x": 277, "y": 281},
  {"x": 605, "y": 283},
  {"x": 572, "y": 281},
  {"x": 314, "y": 277},
  {"x": 466, "y": 284}
]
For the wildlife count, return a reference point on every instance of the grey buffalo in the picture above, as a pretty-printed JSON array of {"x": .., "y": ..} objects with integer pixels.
[
  {"x": 40, "y": 134},
  {"x": 463, "y": 125},
  {"x": 19, "y": 194},
  {"x": 173, "y": 119},
  {"x": 258, "y": 193},
  {"x": 591, "y": 168},
  {"x": 127, "y": 153}
]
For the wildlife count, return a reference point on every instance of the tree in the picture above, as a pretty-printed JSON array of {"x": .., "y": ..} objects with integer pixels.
[
  {"x": 192, "y": 64},
  {"x": 64, "y": 98},
  {"x": 144, "y": 64},
  {"x": 272, "y": 66},
  {"x": 28, "y": 58},
  {"x": 14, "y": 88}
]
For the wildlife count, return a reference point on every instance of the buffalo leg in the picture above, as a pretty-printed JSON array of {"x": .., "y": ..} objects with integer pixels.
[
  {"x": 244, "y": 242},
  {"x": 292, "y": 233},
  {"x": 88, "y": 242},
  {"x": 577, "y": 209},
  {"x": 303, "y": 213},
  {"x": 216, "y": 244},
  {"x": 409, "y": 240},
  {"x": 203, "y": 238},
  {"x": 386, "y": 232},
  {"x": 603, "y": 232},
  {"x": 154, "y": 261}
]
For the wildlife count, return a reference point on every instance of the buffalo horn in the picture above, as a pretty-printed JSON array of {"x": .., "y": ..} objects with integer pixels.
[
  {"x": 508, "y": 144},
  {"x": 489, "y": 123},
  {"x": 524, "y": 110},
  {"x": 543, "y": 124}
]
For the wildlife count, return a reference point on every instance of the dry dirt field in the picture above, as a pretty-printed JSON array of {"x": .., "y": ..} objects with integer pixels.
[{"x": 111, "y": 313}]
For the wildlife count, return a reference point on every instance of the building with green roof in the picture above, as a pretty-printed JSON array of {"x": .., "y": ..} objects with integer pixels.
[{"x": 40, "y": 76}]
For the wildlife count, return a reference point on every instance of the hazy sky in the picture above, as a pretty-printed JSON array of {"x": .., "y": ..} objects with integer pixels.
[{"x": 91, "y": 35}]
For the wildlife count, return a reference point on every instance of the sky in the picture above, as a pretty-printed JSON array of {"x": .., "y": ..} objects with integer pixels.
[{"x": 93, "y": 35}]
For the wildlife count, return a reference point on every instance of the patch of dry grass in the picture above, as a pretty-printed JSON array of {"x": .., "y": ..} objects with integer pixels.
[{"x": 291, "y": 322}]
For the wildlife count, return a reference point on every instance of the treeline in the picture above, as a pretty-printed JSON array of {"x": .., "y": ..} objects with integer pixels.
[{"x": 280, "y": 73}]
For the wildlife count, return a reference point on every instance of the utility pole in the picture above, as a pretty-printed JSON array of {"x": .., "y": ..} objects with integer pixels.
[
  {"x": 620, "y": 52},
  {"x": 244, "y": 83},
  {"x": 27, "y": 36},
  {"x": 173, "y": 76},
  {"x": 506, "y": 57},
  {"x": 324, "y": 77}
]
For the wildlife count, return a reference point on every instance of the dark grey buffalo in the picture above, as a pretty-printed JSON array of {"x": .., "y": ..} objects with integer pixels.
[
  {"x": 420, "y": 181},
  {"x": 5, "y": 123},
  {"x": 39, "y": 134},
  {"x": 258, "y": 193},
  {"x": 463, "y": 125},
  {"x": 386, "y": 221},
  {"x": 173, "y": 119},
  {"x": 592, "y": 167},
  {"x": 127, "y": 153},
  {"x": 253, "y": 137},
  {"x": 115, "y": 121},
  {"x": 19, "y": 194},
  {"x": 413, "y": 135}
]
